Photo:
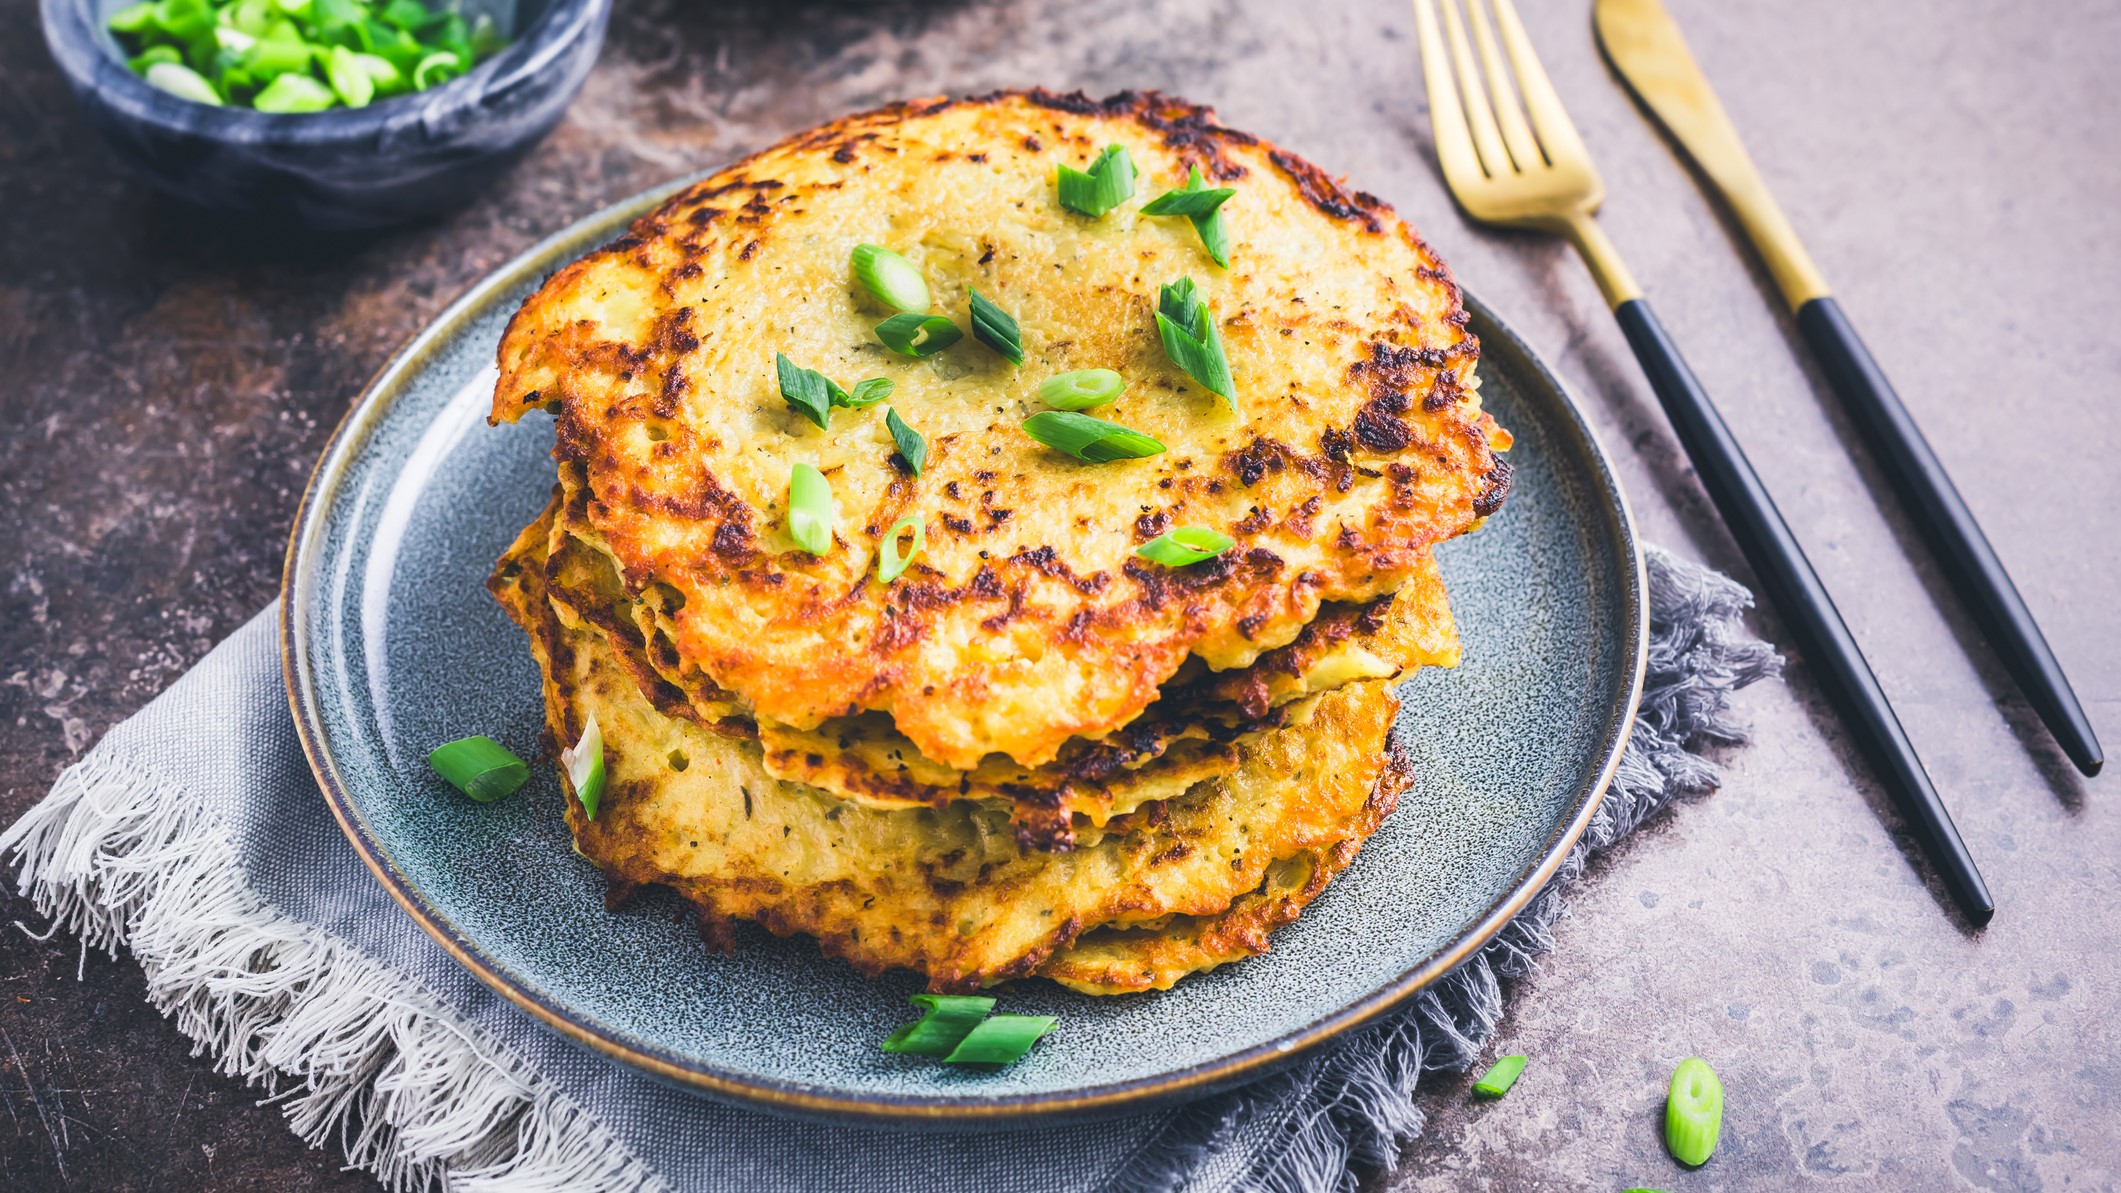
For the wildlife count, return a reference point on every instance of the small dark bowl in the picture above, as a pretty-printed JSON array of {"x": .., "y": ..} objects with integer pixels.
[{"x": 393, "y": 161}]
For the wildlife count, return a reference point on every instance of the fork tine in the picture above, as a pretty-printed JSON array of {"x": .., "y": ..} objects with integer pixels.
[
  {"x": 1447, "y": 121},
  {"x": 1549, "y": 119},
  {"x": 1486, "y": 138},
  {"x": 1508, "y": 113}
]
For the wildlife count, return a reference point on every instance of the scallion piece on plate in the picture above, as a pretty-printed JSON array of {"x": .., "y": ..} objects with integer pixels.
[
  {"x": 946, "y": 1021},
  {"x": 893, "y": 280},
  {"x": 912, "y": 445},
  {"x": 1000, "y": 1039},
  {"x": 809, "y": 509},
  {"x": 1082, "y": 389},
  {"x": 1108, "y": 183},
  {"x": 809, "y": 391},
  {"x": 1087, "y": 438},
  {"x": 1191, "y": 339},
  {"x": 1693, "y": 1112},
  {"x": 584, "y": 763},
  {"x": 890, "y": 564},
  {"x": 350, "y": 79},
  {"x": 918, "y": 335},
  {"x": 480, "y": 767},
  {"x": 869, "y": 393},
  {"x": 435, "y": 69},
  {"x": 1500, "y": 1077},
  {"x": 997, "y": 329},
  {"x": 1203, "y": 205},
  {"x": 1186, "y": 544}
]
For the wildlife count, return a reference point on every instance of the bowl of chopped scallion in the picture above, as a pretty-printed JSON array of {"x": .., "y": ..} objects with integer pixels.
[{"x": 329, "y": 114}]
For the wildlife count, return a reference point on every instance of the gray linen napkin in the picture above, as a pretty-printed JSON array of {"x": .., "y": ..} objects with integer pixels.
[{"x": 193, "y": 835}]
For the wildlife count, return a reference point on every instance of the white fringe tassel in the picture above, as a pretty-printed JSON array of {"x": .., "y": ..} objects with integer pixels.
[{"x": 348, "y": 1047}]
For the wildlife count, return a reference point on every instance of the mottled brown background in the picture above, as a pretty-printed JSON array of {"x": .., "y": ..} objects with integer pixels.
[{"x": 165, "y": 383}]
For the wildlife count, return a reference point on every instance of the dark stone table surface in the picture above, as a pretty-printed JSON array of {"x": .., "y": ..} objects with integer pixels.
[{"x": 165, "y": 382}]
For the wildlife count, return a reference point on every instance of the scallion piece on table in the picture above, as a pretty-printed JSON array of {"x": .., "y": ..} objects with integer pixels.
[
  {"x": 1693, "y": 1112},
  {"x": 1000, "y": 1039},
  {"x": 480, "y": 767},
  {"x": 893, "y": 280},
  {"x": 809, "y": 509},
  {"x": 869, "y": 392},
  {"x": 890, "y": 564},
  {"x": 946, "y": 1021},
  {"x": 1108, "y": 183},
  {"x": 807, "y": 390},
  {"x": 912, "y": 445},
  {"x": 1185, "y": 545},
  {"x": 1191, "y": 339},
  {"x": 918, "y": 335},
  {"x": 1087, "y": 438},
  {"x": 1500, "y": 1077},
  {"x": 996, "y": 328},
  {"x": 584, "y": 763},
  {"x": 1203, "y": 205},
  {"x": 1082, "y": 389}
]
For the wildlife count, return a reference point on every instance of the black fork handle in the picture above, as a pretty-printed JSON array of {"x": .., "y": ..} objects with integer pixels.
[{"x": 1804, "y": 604}]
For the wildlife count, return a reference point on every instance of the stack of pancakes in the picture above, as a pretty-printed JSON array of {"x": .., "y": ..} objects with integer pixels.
[{"x": 1035, "y": 752}]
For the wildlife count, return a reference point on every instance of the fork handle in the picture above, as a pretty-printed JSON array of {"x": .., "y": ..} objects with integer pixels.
[
  {"x": 1794, "y": 589},
  {"x": 1970, "y": 564}
]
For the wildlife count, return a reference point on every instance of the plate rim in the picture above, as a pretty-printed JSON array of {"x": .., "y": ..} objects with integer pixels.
[{"x": 805, "y": 1099}]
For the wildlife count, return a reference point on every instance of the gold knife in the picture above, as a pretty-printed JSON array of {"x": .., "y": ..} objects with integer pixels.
[{"x": 1645, "y": 46}]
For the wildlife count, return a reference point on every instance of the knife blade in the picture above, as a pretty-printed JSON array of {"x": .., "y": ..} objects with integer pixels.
[{"x": 1644, "y": 44}]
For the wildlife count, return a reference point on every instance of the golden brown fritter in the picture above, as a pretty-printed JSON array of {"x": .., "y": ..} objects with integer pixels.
[
  {"x": 1026, "y": 621},
  {"x": 946, "y": 892}
]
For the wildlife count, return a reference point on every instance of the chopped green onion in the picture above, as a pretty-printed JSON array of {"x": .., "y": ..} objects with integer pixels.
[
  {"x": 435, "y": 69},
  {"x": 890, "y": 565},
  {"x": 1201, "y": 205},
  {"x": 895, "y": 281},
  {"x": 584, "y": 762},
  {"x": 136, "y": 18},
  {"x": 1192, "y": 340},
  {"x": 1108, "y": 183},
  {"x": 1193, "y": 199},
  {"x": 1191, "y": 544},
  {"x": 869, "y": 393},
  {"x": 408, "y": 15},
  {"x": 912, "y": 446},
  {"x": 351, "y": 80},
  {"x": 153, "y": 54},
  {"x": 996, "y": 328},
  {"x": 807, "y": 390},
  {"x": 809, "y": 509},
  {"x": 1088, "y": 438},
  {"x": 480, "y": 767},
  {"x": 946, "y": 1020},
  {"x": 1500, "y": 1077},
  {"x": 183, "y": 82},
  {"x": 1001, "y": 1039},
  {"x": 918, "y": 335},
  {"x": 1693, "y": 1112},
  {"x": 1082, "y": 389},
  {"x": 292, "y": 93}
]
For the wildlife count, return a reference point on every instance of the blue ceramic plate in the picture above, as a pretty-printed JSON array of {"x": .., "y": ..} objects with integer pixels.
[{"x": 392, "y": 645}]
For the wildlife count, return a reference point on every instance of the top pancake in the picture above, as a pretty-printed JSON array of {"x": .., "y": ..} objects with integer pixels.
[{"x": 1026, "y": 620}]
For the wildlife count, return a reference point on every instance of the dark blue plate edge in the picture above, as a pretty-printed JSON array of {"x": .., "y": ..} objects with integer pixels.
[{"x": 297, "y": 597}]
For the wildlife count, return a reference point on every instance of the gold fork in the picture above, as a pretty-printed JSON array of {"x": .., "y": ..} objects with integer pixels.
[{"x": 1511, "y": 156}]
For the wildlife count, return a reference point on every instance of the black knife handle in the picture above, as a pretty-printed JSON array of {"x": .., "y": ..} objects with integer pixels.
[
  {"x": 1969, "y": 563},
  {"x": 1803, "y": 602}
]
